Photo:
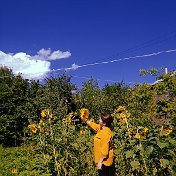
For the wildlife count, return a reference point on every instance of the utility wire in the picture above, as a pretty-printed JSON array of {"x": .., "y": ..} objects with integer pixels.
[
  {"x": 108, "y": 80},
  {"x": 158, "y": 40},
  {"x": 74, "y": 66},
  {"x": 107, "y": 62}
]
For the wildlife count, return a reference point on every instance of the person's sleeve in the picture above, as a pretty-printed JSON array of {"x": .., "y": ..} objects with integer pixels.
[
  {"x": 94, "y": 126},
  {"x": 104, "y": 144}
]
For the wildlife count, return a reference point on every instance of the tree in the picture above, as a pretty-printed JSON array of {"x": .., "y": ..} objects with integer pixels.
[
  {"x": 56, "y": 95},
  {"x": 117, "y": 94},
  {"x": 13, "y": 98}
]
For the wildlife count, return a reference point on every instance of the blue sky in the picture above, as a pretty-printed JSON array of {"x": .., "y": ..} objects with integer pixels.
[{"x": 40, "y": 36}]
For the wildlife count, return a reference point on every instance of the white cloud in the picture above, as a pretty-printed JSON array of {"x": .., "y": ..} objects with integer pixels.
[
  {"x": 44, "y": 53},
  {"x": 75, "y": 66},
  {"x": 59, "y": 55},
  {"x": 47, "y": 54},
  {"x": 31, "y": 67}
]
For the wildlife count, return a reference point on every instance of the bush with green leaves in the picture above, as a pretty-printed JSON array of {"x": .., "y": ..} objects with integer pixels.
[
  {"x": 65, "y": 147},
  {"x": 144, "y": 126},
  {"x": 143, "y": 151},
  {"x": 21, "y": 161}
]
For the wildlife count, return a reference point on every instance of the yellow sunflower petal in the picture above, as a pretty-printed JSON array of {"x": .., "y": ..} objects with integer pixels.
[{"x": 84, "y": 113}]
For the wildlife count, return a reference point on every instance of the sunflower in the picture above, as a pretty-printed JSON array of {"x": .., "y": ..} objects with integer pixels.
[
  {"x": 168, "y": 131},
  {"x": 43, "y": 113},
  {"x": 82, "y": 132},
  {"x": 120, "y": 109},
  {"x": 41, "y": 123},
  {"x": 14, "y": 171},
  {"x": 137, "y": 136},
  {"x": 145, "y": 130},
  {"x": 33, "y": 128},
  {"x": 84, "y": 113},
  {"x": 50, "y": 115}
]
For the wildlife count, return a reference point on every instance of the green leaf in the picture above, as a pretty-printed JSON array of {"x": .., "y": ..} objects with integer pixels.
[
  {"x": 116, "y": 141},
  {"x": 152, "y": 138},
  {"x": 164, "y": 162},
  {"x": 129, "y": 154},
  {"x": 154, "y": 171},
  {"x": 83, "y": 149},
  {"x": 148, "y": 150},
  {"x": 172, "y": 153},
  {"x": 172, "y": 141},
  {"x": 135, "y": 164},
  {"x": 132, "y": 141},
  {"x": 161, "y": 144}
]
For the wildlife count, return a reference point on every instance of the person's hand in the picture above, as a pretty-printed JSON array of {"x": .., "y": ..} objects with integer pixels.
[
  {"x": 99, "y": 165},
  {"x": 84, "y": 113}
]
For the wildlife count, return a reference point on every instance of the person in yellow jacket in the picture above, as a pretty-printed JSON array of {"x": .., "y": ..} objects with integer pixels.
[{"x": 103, "y": 151}]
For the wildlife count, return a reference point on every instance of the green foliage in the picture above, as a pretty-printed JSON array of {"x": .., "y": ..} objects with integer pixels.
[
  {"x": 56, "y": 95},
  {"x": 152, "y": 71},
  {"x": 117, "y": 94},
  {"x": 65, "y": 150},
  {"x": 100, "y": 100},
  {"x": 143, "y": 151},
  {"x": 13, "y": 98},
  {"x": 142, "y": 104},
  {"x": 22, "y": 101},
  {"x": 21, "y": 161},
  {"x": 144, "y": 125}
]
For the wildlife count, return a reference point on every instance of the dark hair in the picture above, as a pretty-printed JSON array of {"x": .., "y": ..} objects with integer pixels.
[{"x": 107, "y": 118}]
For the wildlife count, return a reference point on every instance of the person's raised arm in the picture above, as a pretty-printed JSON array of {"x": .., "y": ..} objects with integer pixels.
[
  {"x": 94, "y": 126},
  {"x": 84, "y": 113}
]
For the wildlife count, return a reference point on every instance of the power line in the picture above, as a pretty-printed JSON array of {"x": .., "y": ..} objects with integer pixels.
[
  {"x": 108, "y": 80},
  {"x": 74, "y": 66},
  {"x": 106, "y": 62},
  {"x": 157, "y": 40}
]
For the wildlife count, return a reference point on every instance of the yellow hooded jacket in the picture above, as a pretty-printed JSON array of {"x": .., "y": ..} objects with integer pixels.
[{"x": 102, "y": 144}]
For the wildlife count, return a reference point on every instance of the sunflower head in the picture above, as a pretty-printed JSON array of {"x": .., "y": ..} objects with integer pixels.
[
  {"x": 14, "y": 171},
  {"x": 84, "y": 113},
  {"x": 145, "y": 130},
  {"x": 43, "y": 113},
  {"x": 82, "y": 132},
  {"x": 33, "y": 128},
  {"x": 120, "y": 109},
  {"x": 41, "y": 123},
  {"x": 137, "y": 136}
]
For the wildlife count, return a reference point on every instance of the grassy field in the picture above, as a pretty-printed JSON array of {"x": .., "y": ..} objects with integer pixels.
[{"x": 21, "y": 161}]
